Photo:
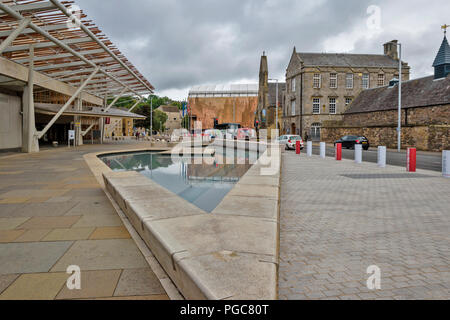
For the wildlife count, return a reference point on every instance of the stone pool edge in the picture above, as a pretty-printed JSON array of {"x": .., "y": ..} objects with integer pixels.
[
  {"x": 97, "y": 168},
  {"x": 230, "y": 254}
]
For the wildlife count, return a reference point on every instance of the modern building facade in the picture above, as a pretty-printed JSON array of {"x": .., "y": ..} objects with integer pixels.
[
  {"x": 236, "y": 103},
  {"x": 425, "y": 111},
  {"x": 55, "y": 80},
  {"x": 321, "y": 86}
]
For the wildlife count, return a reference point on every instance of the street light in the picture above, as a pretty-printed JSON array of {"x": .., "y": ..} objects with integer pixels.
[
  {"x": 399, "y": 128},
  {"x": 151, "y": 119},
  {"x": 276, "y": 102}
]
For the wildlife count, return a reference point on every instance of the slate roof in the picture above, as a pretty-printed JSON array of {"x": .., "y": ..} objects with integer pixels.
[
  {"x": 443, "y": 55},
  {"x": 422, "y": 92},
  {"x": 169, "y": 109},
  {"x": 346, "y": 60},
  {"x": 273, "y": 93}
]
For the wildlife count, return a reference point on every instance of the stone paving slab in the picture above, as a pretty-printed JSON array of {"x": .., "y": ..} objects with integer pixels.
[
  {"x": 138, "y": 282},
  {"x": 42, "y": 197},
  {"x": 339, "y": 218},
  {"x": 38, "y": 286},
  {"x": 102, "y": 255},
  {"x": 30, "y": 257},
  {"x": 94, "y": 284}
]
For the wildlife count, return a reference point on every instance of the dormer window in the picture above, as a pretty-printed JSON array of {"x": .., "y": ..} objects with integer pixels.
[{"x": 380, "y": 81}]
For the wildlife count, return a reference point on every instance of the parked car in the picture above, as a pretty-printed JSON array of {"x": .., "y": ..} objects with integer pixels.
[
  {"x": 246, "y": 134},
  {"x": 285, "y": 138},
  {"x": 291, "y": 144},
  {"x": 214, "y": 133},
  {"x": 349, "y": 142}
]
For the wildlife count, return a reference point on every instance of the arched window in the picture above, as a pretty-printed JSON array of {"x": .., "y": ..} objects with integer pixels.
[{"x": 315, "y": 131}]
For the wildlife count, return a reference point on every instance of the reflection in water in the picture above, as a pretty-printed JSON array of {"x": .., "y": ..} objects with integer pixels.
[{"x": 204, "y": 185}]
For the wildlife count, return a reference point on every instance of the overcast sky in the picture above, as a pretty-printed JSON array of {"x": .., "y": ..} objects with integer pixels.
[{"x": 177, "y": 44}]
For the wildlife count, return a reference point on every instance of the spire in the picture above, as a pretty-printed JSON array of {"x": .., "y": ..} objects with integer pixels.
[
  {"x": 442, "y": 62},
  {"x": 443, "y": 55}
]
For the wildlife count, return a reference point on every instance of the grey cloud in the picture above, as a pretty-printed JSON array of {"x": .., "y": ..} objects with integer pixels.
[{"x": 178, "y": 43}]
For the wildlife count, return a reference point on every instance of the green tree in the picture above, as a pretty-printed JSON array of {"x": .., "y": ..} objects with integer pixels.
[
  {"x": 159, "y": 120},
  {"x": 143, "y": 109}
]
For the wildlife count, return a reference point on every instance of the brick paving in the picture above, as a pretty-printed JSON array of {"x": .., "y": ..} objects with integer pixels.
[
  {"x": 53, "y": 213},
  {"x": 339, "y": 218}
]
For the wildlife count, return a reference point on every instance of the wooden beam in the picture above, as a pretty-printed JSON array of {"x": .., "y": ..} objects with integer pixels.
[{"x": 16, "y": 71}]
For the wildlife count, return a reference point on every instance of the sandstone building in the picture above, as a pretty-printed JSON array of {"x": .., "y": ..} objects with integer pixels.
[
  {"x": 174, "y": 117},
  {"x": 322, "y": 86},
  {"x": 425, "y": 111}
]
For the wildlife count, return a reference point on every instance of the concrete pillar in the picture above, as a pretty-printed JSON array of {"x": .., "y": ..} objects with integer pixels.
[
  {"x": 309, "y": 148},
  {"x": 30, "y": 142},
  {"x": 77, "y": 121},
  {"x": 382, "y": 157},
  {"x": 446, "y": 163},
  {"x": 323, "y": 150},
  {"x": 358, "y": 153}
]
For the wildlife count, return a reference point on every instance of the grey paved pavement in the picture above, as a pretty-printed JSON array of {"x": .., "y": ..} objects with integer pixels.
[
  {"x": 425, "y": 160},
  {"x": 339, "y": 218}
]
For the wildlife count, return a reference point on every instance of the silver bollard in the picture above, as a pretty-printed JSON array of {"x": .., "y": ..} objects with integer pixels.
[
  {"x": 382, "y": 157},
  {"x": 358, "y": 153},
  {"x": 323, "y": 150},
  {"x": 309, "y": 148},
  {"x": 446, "y": 163}
]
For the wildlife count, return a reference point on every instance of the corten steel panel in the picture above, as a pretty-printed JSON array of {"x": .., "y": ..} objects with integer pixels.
[{"x": 206, "y": 109}]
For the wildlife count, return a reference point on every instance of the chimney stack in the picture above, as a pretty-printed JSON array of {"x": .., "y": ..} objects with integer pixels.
[{"x": 391, "y": 50}]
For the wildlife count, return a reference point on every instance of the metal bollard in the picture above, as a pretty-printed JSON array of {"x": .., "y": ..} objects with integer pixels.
[
  {"x": 338, "y": 151},
  {"x": 323, "y": 150},
  {"x": 411, "y": 160},
  {"x": 382, "y": 157},
  {"x": 446, "y": 163},
  {"x": 358, "y": 153},
  {"x": 309, "y": 148}
]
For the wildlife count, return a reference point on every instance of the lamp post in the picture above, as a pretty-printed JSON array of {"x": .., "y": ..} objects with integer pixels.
[
  {"x": 399, "y": 127},
  {"x": 151, "y": 118},
  {"x": 276, "y": 117}
]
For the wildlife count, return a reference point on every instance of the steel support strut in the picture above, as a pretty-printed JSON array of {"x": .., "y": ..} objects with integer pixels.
[
  {"x": 68, "y": 103},
  {"x": 61, "y": 44},
  {"x": 115, "y": 100},
  {"x": 8, "y": 41}
]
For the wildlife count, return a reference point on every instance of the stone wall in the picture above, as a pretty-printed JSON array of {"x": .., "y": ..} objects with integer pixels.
[
  {"x": 426, "y": 138},
  {"x": 436, "y": 115},
  {"x": 424, "y": 128}
]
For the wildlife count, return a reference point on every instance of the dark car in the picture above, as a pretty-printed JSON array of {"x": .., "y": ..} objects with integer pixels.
[{"x": 349, "y": 142}]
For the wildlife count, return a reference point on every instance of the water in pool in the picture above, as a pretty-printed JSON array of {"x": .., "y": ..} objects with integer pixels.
[{"x": 204, "y": 185}]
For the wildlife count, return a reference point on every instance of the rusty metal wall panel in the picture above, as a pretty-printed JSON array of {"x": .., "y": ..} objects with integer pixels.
[{"x": 206, "y": 109}]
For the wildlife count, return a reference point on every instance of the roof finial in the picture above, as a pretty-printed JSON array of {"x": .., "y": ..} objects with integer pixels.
[
  {"x": 444, "y": 27},
  {"x": 264, "y": 53}
]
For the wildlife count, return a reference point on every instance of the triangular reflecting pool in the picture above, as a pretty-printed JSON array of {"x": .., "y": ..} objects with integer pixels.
[{"x": 202, "y": 181}]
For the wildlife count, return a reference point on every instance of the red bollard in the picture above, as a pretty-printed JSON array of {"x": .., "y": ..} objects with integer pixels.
[
  {"x": 338, "y": 151},
  {"x": 298, "y": 147},
  {"x": 411, "y": 161}
]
